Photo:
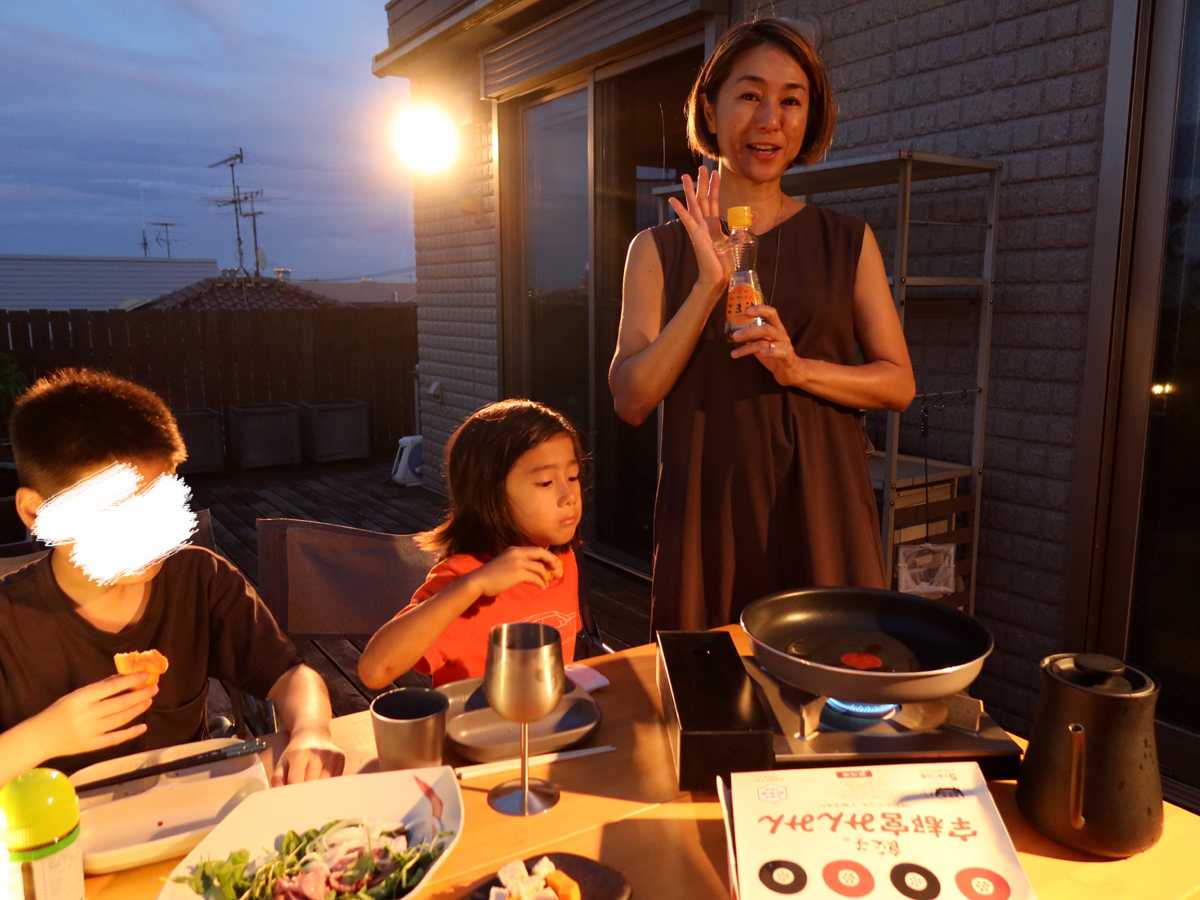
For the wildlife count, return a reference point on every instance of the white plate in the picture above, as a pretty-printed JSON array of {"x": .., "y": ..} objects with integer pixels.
[
  {"x": 161, "y": 816},
  {"x": 386, "y": 797},
  {"x": 478, "y": 732}
]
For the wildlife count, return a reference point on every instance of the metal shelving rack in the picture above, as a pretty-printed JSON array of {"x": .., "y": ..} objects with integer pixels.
[{"x": 891, "y": 471}]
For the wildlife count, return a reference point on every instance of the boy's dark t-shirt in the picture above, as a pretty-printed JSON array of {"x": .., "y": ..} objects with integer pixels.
[{"x": 202, "y": 615}]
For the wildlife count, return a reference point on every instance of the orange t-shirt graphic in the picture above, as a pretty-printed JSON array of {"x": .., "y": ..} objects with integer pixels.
[{"x": 461, "y": 650}]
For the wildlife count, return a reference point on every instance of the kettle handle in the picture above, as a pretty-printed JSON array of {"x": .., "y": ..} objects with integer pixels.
[{"x": 1075, "y": 799}]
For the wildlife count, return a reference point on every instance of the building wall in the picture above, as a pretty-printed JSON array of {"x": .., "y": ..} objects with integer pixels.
[
  {"x": 457, "y": 283},
  {"x": 1022, "y": 82},
  {"x": 93, "y": 282}
]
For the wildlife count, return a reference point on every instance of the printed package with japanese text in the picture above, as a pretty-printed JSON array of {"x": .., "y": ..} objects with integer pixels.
[{"x": 919, "y": 831}]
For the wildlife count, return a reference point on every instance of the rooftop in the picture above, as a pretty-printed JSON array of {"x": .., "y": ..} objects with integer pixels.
[{"x": 241, "y": 293}]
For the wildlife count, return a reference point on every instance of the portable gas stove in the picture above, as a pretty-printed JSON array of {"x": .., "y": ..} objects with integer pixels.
[
  {"x": 812, "y": 730},
  {"x": 724, "y": 713}
]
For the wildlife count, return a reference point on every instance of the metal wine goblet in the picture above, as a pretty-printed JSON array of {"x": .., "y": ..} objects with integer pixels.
[{"x": 524, "y": 682}]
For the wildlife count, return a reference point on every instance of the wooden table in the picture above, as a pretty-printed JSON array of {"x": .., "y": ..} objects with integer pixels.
[{"x": 624, "y": 809}]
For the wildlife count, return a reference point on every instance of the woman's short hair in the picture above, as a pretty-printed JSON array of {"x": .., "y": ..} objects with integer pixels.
[
  {"x": 822, "y": 113},
  {"x": 479, "y": 456}
]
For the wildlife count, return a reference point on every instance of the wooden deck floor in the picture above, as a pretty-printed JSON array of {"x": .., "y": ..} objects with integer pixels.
[{"x": 359, "y": 494}]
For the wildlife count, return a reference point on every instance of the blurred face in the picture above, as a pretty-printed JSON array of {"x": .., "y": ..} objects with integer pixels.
[
  {"x": 114, "y": 538},
  {"x": 761, "y": 113},
  {"x": 544, "y": 494}
]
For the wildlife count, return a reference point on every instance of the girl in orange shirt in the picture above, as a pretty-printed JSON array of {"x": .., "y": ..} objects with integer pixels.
[{"x": 505, "y": 547}]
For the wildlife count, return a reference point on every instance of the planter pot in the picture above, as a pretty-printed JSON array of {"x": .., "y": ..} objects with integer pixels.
[
  {"x": 264, "y": 434},
  {"x": 334, "y": 429},
  {"x": 202, "y": 434}
]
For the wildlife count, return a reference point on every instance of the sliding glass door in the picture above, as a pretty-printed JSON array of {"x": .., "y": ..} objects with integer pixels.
[
  {"x": 557, "y": 253},
  {"x": 577, "y": 174},
  {"x": 1150, "y": 613},
  {"x": 641, "y": 144}
]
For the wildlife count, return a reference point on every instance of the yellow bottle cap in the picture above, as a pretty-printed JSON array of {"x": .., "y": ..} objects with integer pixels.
[
  {"x": 36, "y": 808},
  {"x": 739, "y": 217}
]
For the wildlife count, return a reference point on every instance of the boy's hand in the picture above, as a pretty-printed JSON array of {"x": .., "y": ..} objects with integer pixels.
[
  {"x": 516, "y": 565},
  {"x": 91, "y": 717},
  {"x": 309, "y": 755}
]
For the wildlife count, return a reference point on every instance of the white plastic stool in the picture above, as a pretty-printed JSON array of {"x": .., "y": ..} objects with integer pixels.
[{"x": 406, "y": 469}]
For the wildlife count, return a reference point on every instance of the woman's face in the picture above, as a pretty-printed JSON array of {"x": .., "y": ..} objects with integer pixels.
[{"x": 760, "y": 114}]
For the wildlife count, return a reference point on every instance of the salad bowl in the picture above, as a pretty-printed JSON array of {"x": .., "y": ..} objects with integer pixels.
[{"x": 420, "y": 803}]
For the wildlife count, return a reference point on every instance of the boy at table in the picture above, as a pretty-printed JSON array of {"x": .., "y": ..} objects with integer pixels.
[{"x": 61, "y": 623}]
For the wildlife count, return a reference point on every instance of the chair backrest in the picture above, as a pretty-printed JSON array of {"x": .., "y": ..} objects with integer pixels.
[
  {"x": 333, "y": 580},
  {"x": 18, "y": 555}
]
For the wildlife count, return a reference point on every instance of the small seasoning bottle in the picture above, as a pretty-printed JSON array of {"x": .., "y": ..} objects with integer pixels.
[
  {"x": 40, "y": 855},
  {"x": 743, "y": 289}
]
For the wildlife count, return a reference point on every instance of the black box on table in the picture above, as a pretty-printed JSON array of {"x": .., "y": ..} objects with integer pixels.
[{"x": 714, "y": 720}]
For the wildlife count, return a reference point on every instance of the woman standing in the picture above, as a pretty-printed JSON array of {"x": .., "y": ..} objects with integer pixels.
[{"x": 764, "y": 484}]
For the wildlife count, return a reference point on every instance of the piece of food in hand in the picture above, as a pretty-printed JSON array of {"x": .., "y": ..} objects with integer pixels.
[
  {"x": 564, "y": 886},
  {"x": 556, "y": 572},
  {"x": 151, "y": 662}
]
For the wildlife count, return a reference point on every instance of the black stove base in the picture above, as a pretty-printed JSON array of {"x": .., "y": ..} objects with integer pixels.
[{"x": 919, "y": 733}]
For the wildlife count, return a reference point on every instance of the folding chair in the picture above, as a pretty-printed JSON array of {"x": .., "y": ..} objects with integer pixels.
[
  {"x": 333, "y": 581},
  {"x": 336, "y": 581}
]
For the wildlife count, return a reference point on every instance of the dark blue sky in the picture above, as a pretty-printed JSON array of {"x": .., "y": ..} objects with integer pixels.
[{"x": 99, "y": 97}]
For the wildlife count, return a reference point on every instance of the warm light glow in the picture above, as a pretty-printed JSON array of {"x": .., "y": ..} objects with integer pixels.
[
  {"x": 426, "y": 139},
  {"x": 1160, "y": 389}
]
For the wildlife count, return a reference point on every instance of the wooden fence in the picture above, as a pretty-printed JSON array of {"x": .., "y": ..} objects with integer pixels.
[{"x": 215, "y": 358}]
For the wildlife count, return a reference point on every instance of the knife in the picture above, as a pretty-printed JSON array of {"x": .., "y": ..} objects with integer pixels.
[{"x": 200, "y": 759}]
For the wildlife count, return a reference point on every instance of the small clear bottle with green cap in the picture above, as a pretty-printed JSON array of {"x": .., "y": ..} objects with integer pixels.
[
  {"x": 39, "y": 834},
  {"x": 744, "y": 289}
]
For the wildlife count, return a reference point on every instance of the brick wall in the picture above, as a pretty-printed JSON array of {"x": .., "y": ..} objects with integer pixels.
[
  {"x": 1020, "y": 81},
  {"x": 458, "y": 291}
]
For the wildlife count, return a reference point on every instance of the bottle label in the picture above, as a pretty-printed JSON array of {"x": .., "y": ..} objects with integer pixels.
[
  {"x": 739, "y": 299},
  {"x": 53, "y": 873}
]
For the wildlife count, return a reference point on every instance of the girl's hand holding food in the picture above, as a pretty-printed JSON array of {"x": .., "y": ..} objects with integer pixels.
[{"x": 516, "y": 565}]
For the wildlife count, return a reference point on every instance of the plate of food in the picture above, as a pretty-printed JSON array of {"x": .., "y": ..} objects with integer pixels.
[
  {"x": 554, "y": 876},
  {"x": 477, "y": 732},
  {"x": 372, "y": 837},
  {"x": 159, "y": 817}
]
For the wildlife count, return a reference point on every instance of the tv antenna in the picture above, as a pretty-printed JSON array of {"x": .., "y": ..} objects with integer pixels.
[
  {"x": 145, "y": 246},
  {"x": 236, "y": 202},
  {"x": 259, "y": 255},
  {"x": 164, "y": 239}
]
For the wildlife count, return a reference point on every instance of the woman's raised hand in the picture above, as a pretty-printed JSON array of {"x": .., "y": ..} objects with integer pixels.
[{"x": 702, "y": 219}]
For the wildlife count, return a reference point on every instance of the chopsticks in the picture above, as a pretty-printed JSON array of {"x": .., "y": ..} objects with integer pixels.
[
  {"x": 504, "y": 765},
  {"x": 200, "y": 759}
]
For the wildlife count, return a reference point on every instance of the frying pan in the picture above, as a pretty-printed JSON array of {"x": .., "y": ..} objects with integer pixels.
[{"x": 866, "y": 645}]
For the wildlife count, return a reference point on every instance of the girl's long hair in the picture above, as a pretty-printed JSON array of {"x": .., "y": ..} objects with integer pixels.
[{"x": 479, "y": 456}]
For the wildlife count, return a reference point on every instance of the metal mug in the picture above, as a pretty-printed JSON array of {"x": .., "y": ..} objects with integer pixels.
[{"x": 410, "y": 727}]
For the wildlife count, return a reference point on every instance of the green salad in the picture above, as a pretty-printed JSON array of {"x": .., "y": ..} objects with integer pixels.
[{"x": 346, "y": 858}]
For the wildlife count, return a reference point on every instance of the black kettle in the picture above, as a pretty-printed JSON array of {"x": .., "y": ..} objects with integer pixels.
[{"x": 1090, "y": 777}]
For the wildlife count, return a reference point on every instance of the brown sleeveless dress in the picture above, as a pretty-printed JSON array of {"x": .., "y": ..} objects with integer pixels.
[{"x": 763, "y": 488}]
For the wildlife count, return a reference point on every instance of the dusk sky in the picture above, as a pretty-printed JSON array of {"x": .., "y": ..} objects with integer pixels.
[{"x": 101, "y": 97}]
